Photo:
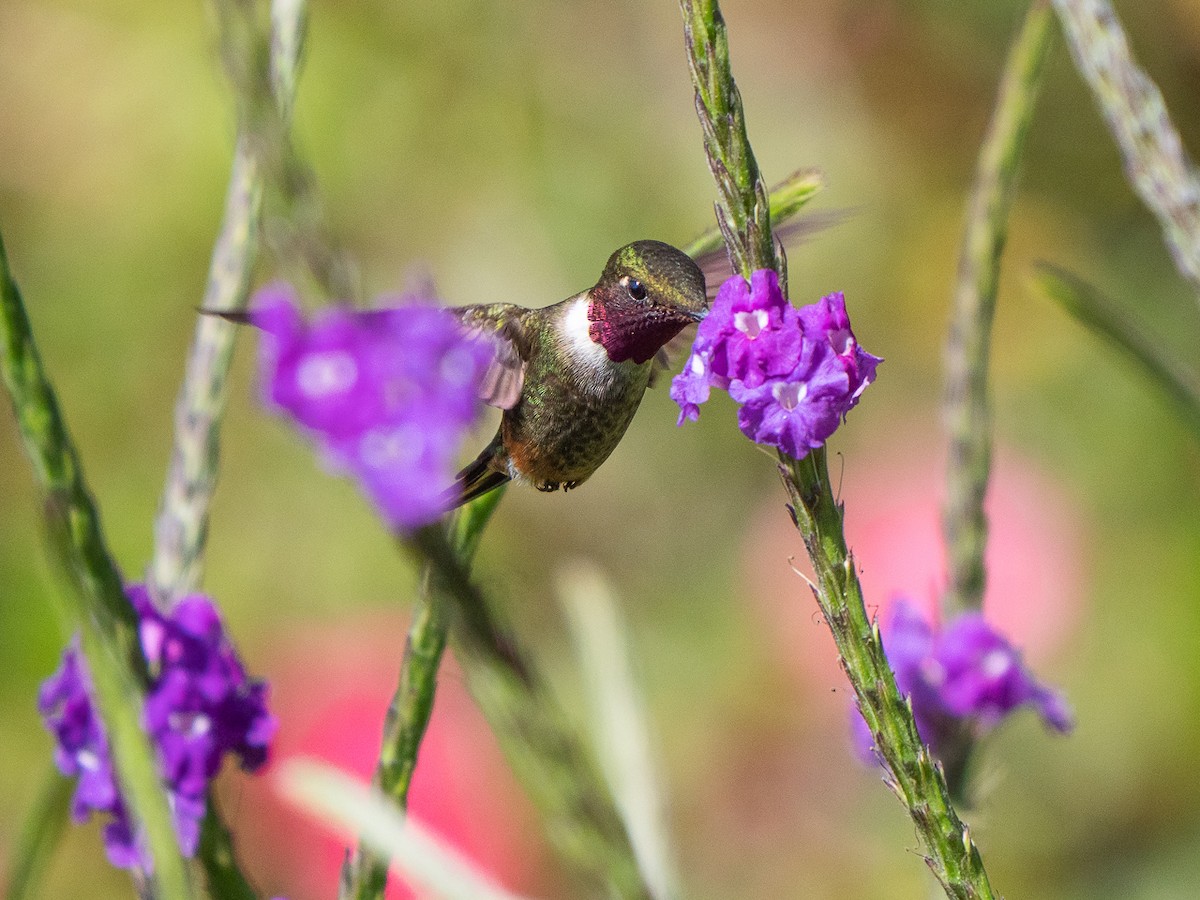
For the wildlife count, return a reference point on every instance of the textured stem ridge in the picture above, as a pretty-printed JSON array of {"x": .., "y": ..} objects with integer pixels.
[
  {"x": 100, "y": 609},
  {"x": 743, "y": 208},
  {"x": 181, "y": 528},
  {"x": 967, "y": 407},
  {"x": 744, "y": 216},
  {"x": 364, "y": 874},
  {"x": 784, "y": 202},
  {"x": 1156, "y": 162},
  {"x": 915, "y": 777}
]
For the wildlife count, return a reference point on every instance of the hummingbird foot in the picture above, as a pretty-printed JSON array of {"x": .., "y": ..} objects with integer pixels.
[
  {"x": 569, "y": 485},
  {"x": 547, "y": 486}
]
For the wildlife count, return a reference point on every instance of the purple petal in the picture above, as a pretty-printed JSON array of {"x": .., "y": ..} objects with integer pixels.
[
  {"x": 198, "y": 708},
  {"x": 388, "y": 396}
]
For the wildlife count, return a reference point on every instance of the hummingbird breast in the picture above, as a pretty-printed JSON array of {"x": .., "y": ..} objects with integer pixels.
[{"x": 576, "y": 403}]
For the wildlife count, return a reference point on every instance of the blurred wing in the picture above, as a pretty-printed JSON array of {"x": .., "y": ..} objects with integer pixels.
[
  {"x": 717, "y": 268},
  {"x": 504, "y": 324},
  {"x": 680, "y": 345},
  {"x": 715, "y": 263}
]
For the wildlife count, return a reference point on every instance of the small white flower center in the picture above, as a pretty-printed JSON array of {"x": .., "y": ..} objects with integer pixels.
[
  {"x": 995, "y": 664},
  {"x": 697, "y": 365},
  {"x": 325, "y": 373},
  {"x": 790, "y": 394},
  {"x": 842, "y": 341},
  {"x": 933, "y": 671},
  {"x": 382, "y": 448},
  {"x": 87, "y": 760},
  {"x": 191, "y": 724},
  {"x": 750, "y": 323}
]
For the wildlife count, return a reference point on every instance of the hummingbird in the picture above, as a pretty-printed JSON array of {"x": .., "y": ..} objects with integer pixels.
[{"x": 569, "y": 377}]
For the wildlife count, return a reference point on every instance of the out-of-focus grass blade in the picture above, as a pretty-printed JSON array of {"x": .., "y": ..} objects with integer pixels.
[
  {"x": 1102, "y": 316},
  {"x": 618, "y": 720},
  {"x": 353, "y": 808},
  {"x": 39, "y": 836}
]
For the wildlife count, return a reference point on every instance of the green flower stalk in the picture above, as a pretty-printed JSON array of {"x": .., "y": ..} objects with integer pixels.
[
  {"x": 743, "y": 208},
  {"x": 39, "y": 837},
  {"x": 181, "y": 528},
  {"x": 100, "y": 608},
  {"x": 364, "y": 874},
  {"x": 295, "y": 225},
  {"x": 744, "y": 217},
  {"x": 1156, "y": 162},
  {"x": 542, "y": 745},
  {"x": 967, "y": 408},
  {"x": 784, "y": 202}
]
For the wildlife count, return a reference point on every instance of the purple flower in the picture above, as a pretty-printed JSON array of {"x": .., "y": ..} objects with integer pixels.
[
  {"x": 827, "y": 321},
  {"x": 800, "y": 412},
  {"x": 387, "y": 394},
  {"x": 200, "y": 705},
  {"x": 749, "y": 335},
  {"x": 965, "y": 675},
  {"x": 796, "y": 373}
]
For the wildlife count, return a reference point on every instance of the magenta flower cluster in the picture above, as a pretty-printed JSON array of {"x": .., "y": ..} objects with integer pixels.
[
  {"x": 387, "y": 394},
  {"x": 200, "y": 706},
  {"x": 794, "y": 372},
  {"x": 965, "y": 674}
]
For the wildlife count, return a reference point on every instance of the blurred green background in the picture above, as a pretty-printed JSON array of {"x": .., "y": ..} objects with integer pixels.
[{"x": 508, "y": 148}]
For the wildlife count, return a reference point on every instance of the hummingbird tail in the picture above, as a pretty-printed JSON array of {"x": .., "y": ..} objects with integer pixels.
[{"x": 476, "y": 479}]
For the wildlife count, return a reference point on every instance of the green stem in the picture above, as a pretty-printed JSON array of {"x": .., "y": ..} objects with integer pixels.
[
  {"x": 967, "y": 411},
  {"x": 44, "y": 826},
  {"x": 1156, "y": 162},
  {"x": 262, "y": 66},
  {"x": 100, "y": 608},
  {"x": 743, "y": 210},
  {"x": 542, "y": 745},
  {"x": 119, "y": 699},
  {"x": 744, "y": 217},
  {"x": 364, "y": 874},
  {"x": 181, "y": 527},
  {"x": 295, "y": 225},
  {"x": 914, "y": 775},
  {"x": 223, "y": 876}
]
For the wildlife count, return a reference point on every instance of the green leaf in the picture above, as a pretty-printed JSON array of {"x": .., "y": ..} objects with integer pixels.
[{"x": 1106, "y": 319}]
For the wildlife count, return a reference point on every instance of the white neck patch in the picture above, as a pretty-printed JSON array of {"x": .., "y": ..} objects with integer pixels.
[{"x": 579, "y": 343}]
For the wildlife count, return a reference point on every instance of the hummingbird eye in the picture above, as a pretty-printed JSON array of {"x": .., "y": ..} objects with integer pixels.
[{"x": 636, "y": 289}]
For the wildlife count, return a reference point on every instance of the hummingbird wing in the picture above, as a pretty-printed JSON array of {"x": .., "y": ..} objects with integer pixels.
[
  {"x": 680, "y": 345},
  {"x": 716, "y": 266},
  {"x": 505, "y": 325}
]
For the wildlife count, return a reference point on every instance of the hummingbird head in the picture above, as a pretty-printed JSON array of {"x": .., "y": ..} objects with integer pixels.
[{"x": 648, "y": 293}]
